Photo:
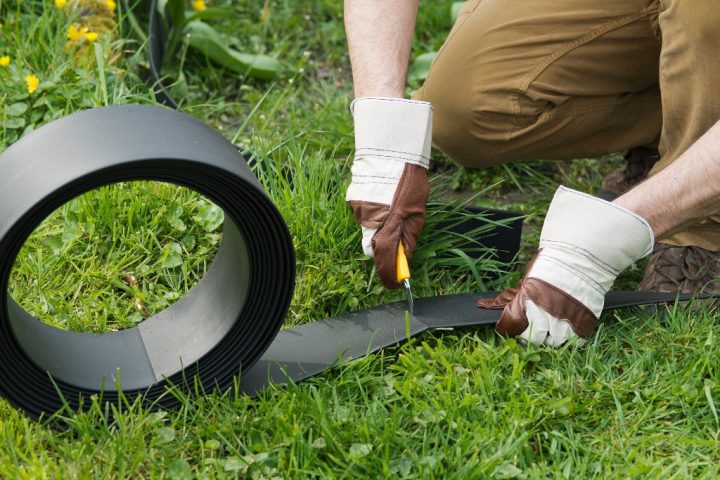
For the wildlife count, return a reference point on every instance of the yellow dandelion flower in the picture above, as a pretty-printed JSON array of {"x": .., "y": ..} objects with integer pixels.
[
  {"x": 4, "y": 60},
  {"x": 74, "y": 34},
  {"x": 199, "y": 5},
  {"x": 111, "y": 5},
  {"x": 60, "y": 3},
  {"x": 32, "y": 83}
]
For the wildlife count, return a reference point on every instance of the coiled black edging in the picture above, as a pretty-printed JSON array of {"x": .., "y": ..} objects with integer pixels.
[{"x": 97, "y": 147}]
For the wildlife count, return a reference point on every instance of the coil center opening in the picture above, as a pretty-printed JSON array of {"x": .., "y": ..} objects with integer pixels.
[
  {"x": 129, "y": 229},
  {"x": 113, "y": 257}
]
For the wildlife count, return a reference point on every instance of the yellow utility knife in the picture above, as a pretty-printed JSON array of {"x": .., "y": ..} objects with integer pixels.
[{"x": 403, "y": 275}]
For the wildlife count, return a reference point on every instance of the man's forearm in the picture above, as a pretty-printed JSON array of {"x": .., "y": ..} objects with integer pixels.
[
  {"x": 685, "y": 191},
  {"x": 380, "y": 34}
]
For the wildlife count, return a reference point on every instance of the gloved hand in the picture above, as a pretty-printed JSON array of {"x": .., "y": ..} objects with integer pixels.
[
  {"x": 389, "y": 188},
  {"x": 584, "y": 245}
]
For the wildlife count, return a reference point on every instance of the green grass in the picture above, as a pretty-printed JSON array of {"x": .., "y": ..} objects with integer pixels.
[
  {"x": 114, "y": 256},
  {"x": 639, "y": 400}
]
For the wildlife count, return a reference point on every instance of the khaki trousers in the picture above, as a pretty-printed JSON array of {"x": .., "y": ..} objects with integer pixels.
[{"x": 562, "y": 79}]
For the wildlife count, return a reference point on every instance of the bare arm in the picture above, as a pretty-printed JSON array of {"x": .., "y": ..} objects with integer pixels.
[
  {"x": 685, "y": 191},
  {"x": 380, "y": 34}
]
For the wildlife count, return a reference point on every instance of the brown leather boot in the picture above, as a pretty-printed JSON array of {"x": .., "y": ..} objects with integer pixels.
[
  {"x": 638, "y": 163},
  {"x": 682, "y": 269}
]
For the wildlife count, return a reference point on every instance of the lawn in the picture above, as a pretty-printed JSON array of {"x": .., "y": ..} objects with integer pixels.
[{"x": 638, "y": 400}]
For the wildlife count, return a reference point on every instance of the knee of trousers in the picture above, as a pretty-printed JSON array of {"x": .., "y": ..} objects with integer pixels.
[{"x": 464, "y": 129}]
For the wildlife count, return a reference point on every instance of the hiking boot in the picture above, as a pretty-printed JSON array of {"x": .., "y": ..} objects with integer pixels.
[
  {"x": 638, "y": 163},
  {"x": 682, "y": 269}
]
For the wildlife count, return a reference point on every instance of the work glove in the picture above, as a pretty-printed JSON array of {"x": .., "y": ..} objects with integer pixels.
[
  {"x": 584, "y": 245},
  {"x": 389, "y": 188}
]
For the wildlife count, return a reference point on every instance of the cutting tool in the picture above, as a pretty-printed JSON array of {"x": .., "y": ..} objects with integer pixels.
[{"x": 403, "y": 275}]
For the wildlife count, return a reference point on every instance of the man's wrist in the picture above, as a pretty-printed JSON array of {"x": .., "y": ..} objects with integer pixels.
[{"x": 389, "y": 90}]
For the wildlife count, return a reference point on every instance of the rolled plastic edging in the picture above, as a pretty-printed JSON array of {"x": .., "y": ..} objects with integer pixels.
[{"x": 223, "y": 325}]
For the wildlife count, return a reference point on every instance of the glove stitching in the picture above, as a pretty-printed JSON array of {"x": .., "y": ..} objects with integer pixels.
[
  {"x": 422, "y": 163},
  {"x": 581, "y": 276},
  {"x": 375, "y": 183},
  {"x": 357, "y": 175},
  {"x": 576, "y": 249},
  {"x": 381, "y": 232},
  {"x": 393, "y": 206},
  {"x": 400, "y": 201},
  {"x": 392, "y": 100},
  {"x": 403, "y": 152}
]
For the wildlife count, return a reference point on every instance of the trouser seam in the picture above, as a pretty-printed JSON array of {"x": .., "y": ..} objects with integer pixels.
[
  {"x": 593, "y": 108},
  {"x": 466, "y": 15},
  {"x": 567, "y": 48},
  {"x": 456, "y": 28},
  {"x": 563, "y": 50}
]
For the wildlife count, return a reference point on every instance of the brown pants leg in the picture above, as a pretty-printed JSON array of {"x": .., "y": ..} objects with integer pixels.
[
  {"x": 520, "y": 80},
  {"x": 690, "y": 85}
]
